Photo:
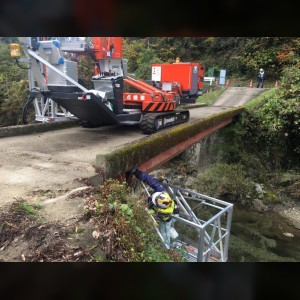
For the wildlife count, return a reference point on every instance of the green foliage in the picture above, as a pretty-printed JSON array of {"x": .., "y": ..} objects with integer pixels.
[
  {"x": 13, "y": 87},
  {"x": 14, "y": 96},
  {"x": 144, "y": 60},
  {"x": 113, "y": 190},
  {"x": 240, "y": 56},
  {"x": 128, "y": 231},
  {"x": 186, "y": 48},
  {"x": 275, "y": 127},
  {"x": 258, "y": 102},
  {"x": 267, "y": 134},
  {"x": 79, "y": 230},
  {"x": 234, "y": 148},
  {"x": 265, "y": 141},
  {"x": 85, "y": 71},
  {"x": 140, "y": 57},
  {"x": 290, "y": 83},
  {"x": 126, "y": 210},
  {"x": 131, "y": 50},
  {"x": 8, "y": 66},
  {"x": 224, "y": 180},
  {"x": 211, "y": 96},
  {"x": 30, "y": 209}
]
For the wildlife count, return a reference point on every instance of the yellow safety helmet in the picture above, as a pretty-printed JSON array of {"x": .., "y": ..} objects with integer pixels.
[{"x": 161, "y": 199}]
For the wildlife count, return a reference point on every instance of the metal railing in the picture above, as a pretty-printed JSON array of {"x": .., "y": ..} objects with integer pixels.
[{"x": 203, "y": 225}]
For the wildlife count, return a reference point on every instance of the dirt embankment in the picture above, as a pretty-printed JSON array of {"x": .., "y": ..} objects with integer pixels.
[{"x": 49, "y": 226}]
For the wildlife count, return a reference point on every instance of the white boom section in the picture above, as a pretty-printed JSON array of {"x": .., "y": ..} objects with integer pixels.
[
  {"x": 47, "y": 110},
  {"x": 43, "y": 61}
]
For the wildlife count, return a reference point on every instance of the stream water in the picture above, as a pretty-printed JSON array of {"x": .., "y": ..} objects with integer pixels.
[
  {"x": 255, "y": 236},
  {"x": 262, "y": 237}
]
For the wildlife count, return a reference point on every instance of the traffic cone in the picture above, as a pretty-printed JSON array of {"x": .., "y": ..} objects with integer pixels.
[
  {"x": 251, "y": 85},
  {"x": 96, "y": 70},
  {"x": 227, "y": 83},
  {"x": 276, "y": 83}
]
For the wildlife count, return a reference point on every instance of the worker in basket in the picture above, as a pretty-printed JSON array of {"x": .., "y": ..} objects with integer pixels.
[{"x": 160, "y": 204}]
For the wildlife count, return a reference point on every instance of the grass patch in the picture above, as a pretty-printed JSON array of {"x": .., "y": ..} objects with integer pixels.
[
  {"x": 260, "y": 100},
  {"x": 211, "y": 96},
  {"x": 30, "y": 209},
  {"x": 224, "y": 180}
]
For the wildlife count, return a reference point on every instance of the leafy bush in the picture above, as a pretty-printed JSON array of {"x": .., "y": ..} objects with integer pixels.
[
  {"x": 144, "y": 60},
  {"x": 85, "y": 71},
  {"x": 14, "y": 97},
  {"x": 127, "y": 231},
  {"x": 13, "y": 87},
  {"x": 274, "y": 127},
  {"x": 224, "y": 180}
]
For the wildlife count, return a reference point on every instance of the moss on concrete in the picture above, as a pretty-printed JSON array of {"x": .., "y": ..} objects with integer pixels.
[
  {"x": 35, "y": 128},
  {"x": 118, "y": 162},
  {"x": 196, "y": 105}
]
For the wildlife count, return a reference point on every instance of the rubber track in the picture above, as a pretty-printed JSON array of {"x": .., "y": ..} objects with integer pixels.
[{"x": 148, "y": 121}]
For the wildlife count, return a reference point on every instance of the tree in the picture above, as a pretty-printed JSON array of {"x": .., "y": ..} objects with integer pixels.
[
  {"x": 145, "y": 59},
  {"x": 13, "y": 86}
]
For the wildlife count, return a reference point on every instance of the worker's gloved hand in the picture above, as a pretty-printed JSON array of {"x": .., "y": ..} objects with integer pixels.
[
  {"x": 133, "y": 171},
  {"x": 150, "y": 204},
  {"x": 136, "y": 172},
  {"x": 163, "y": 180}
]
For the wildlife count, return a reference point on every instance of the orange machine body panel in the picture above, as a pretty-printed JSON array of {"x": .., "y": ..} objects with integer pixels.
[
  {"x": 189, "y": 75},
  {"x": 107, "y": 47},
  {"x": 150, "y": 100},
  {"x": 148, "y": 103}
]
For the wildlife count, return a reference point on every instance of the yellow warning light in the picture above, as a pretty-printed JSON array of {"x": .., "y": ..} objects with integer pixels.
[{"x": 15, "y": 51}]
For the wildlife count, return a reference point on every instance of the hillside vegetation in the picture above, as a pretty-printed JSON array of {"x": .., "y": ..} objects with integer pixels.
[
  {"x": 263, "y": 147},
  {"x": 240, "y": 56}
]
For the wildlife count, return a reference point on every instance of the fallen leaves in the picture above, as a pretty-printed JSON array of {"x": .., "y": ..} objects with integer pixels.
[
  {"x": 96, "y": 235},
  {"x": 47, "y": 242}
]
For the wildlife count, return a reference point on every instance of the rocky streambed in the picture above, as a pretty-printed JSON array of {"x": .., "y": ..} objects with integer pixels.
[{"x": 264, "y": 232}]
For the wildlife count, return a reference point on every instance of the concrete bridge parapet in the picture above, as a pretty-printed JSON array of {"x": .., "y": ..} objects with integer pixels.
[{"x": 154, "y": 150}]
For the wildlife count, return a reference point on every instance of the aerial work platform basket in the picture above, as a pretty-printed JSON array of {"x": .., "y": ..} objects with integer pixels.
[{"x": 203, "y": 225}]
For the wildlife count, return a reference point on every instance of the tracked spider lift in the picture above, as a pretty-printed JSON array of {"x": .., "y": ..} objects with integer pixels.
[{"x": 57, "y": 94}]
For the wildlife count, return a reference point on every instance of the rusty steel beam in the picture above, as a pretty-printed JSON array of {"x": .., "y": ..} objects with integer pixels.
[{"x": 165, "y": 156}]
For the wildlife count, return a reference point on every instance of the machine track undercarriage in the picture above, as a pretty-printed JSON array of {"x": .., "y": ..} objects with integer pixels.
[{"x": 153, "y": 122}]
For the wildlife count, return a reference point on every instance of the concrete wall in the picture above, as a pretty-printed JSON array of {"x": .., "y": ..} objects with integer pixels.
[{"x": 200, "y": 154}]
